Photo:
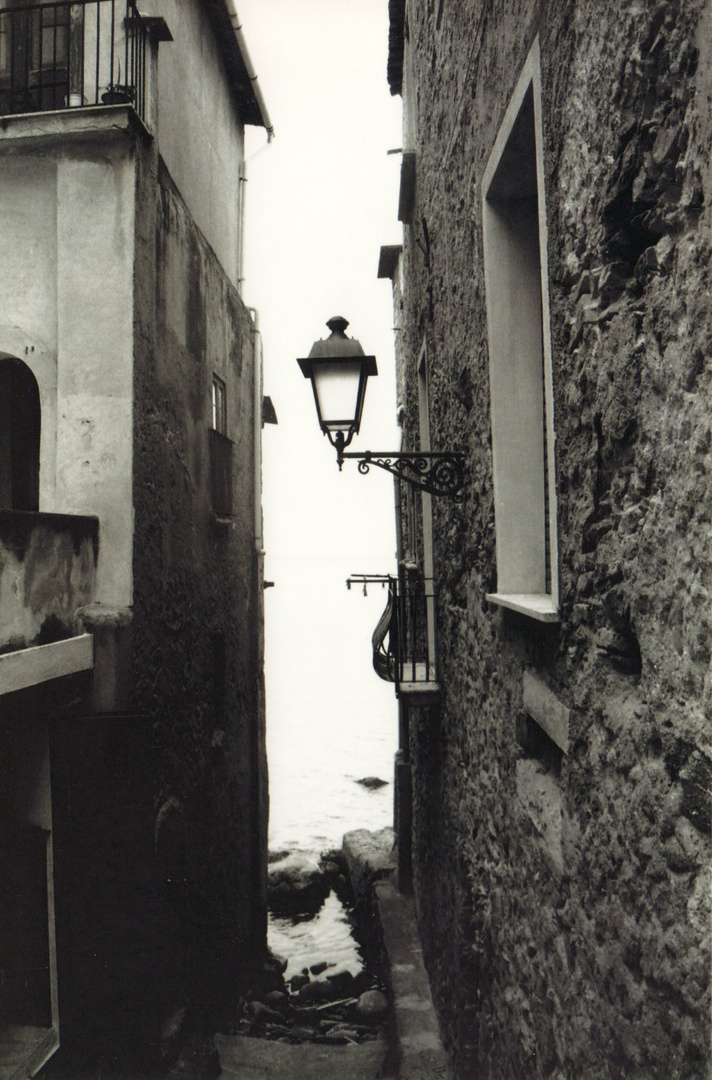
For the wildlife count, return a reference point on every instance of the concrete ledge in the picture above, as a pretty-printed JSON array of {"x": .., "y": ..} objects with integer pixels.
[
  {"x": 40, "y": 663},
  {"x": 60, "y": 125},
  {"x": 421, "y": 1055},
  {"x": 543, "y": 706}
]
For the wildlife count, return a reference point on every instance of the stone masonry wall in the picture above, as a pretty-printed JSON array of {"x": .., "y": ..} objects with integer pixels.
[{"x": 594, "y": 963}]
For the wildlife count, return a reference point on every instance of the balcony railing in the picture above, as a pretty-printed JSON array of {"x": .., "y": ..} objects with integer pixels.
[
  {"x": 71, "y": 55},
  {"x": 402, "y": 641}
]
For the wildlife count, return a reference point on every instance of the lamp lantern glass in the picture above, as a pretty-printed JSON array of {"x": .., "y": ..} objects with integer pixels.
[{"x": 339, "y": 371}]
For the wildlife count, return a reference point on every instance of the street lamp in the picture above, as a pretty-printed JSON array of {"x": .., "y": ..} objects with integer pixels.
[{"x": 339, "y": 370}]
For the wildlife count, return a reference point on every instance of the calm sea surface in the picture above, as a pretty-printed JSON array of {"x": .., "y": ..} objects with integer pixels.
[{"x": 330, "y": 722}]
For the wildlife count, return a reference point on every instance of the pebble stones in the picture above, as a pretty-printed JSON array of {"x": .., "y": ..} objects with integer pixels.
[{"x": 316, "y": 1010}]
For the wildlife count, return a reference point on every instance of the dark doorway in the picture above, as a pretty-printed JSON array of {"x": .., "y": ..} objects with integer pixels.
[{"x": 19, "y": 436}]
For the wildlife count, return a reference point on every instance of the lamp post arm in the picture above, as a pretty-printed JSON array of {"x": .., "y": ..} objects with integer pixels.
[{"x": 439, "y": 473}]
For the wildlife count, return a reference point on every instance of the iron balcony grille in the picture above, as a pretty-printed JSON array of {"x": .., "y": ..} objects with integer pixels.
[
  {"x": 221, "y": 473},
  {"x": 402, "y": 650},
  {"x": 70, "y": 55}
]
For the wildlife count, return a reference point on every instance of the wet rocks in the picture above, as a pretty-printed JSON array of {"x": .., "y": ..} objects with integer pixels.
[
  {"x": 260, "y": 1014},
  {"x": 333, "y": 866},
  {"x": 296, "y": 885},
  {"x": 372, "y": 783},
  {"x": 316, "y": 1010},
  {"x": 322, "y": 1003},
  {"x": 370, "y": 856},
  {"x": 372, "y": 1005}
]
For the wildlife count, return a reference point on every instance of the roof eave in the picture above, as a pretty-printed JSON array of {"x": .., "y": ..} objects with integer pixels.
[
  {"x": 243, "y": 77},
  {"x": 396, "y": 45}
]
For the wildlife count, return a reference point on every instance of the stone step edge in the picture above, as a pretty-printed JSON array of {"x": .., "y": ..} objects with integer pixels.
[{"x": 421, "y": 1055}]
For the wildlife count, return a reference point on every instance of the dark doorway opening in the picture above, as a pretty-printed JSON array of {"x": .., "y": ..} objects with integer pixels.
[{"x": 20, "y": 423}]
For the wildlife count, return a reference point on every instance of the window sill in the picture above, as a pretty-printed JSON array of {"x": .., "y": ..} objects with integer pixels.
[{"x": 538, "y": 606}]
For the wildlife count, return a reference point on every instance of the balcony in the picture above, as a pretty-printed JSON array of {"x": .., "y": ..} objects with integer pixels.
[
  {"x": 403, "y": 645},
  {"x": 47, "y": 571},
  {"x": 56, "y": 56}
]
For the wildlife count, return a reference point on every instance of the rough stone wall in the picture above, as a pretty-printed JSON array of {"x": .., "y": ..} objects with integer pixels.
[
  {"x": 597, "y": 965},
  {"x": 198, "y": 613}
]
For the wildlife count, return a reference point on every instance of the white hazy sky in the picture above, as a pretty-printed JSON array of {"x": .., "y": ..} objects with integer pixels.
[{"x": 321, "y": 200}]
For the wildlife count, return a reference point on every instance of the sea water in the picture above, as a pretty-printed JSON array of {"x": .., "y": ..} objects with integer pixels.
[{"x": 330, "y": 723}]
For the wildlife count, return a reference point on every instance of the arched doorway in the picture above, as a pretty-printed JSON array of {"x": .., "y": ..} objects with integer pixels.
[{"x": 20, "y": 422}]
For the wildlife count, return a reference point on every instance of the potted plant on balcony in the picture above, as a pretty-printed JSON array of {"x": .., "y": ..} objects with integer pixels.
[{"x": 118, "y": 93}]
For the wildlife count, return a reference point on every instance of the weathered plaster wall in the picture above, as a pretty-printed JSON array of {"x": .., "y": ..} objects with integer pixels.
[
  {"x": 181, "y": 749},
  {"x": 66, "y": 273},
  {"x": 95, "y": 352},
  {"x": 595, "y": 963},
  {"x": 199, "y": 133},
  {"x": 47, "y": 568}
]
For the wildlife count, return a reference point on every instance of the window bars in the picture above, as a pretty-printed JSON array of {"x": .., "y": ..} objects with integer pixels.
[{"x": 70, "y": 55}]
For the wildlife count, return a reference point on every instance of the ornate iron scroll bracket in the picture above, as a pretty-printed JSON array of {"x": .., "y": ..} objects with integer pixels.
[{"x": 437, "y": 473}]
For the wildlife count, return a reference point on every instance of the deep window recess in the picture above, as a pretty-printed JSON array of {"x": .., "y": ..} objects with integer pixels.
[
  {"x": 538, "y": 774},
  {"x": 543, "y": 735},
  {"x": 521, "y": 390},
  {"x": 19, "y": 436},
  {"x": 220, "y": 452},
  {"x": 219, "y": 406}
]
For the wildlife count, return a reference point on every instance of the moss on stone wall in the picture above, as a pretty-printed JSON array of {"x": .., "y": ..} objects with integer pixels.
[{"x": 198, "y": 579}]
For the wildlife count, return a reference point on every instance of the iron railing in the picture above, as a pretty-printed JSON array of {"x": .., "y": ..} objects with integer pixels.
[
  {"x": 221, "y": 473},
  {"x": 403, "y": 643},
  {"x": 71, "y": 55},
  {"x": 415, "y": 628}
]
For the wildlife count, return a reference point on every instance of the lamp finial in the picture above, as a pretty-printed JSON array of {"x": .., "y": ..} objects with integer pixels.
[{"x": 337, "y": 324}]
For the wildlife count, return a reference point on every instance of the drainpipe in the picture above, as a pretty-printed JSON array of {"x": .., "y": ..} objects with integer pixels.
[
  {"x": 257, "y": 389},
  {"x": 257, "y": 745}
]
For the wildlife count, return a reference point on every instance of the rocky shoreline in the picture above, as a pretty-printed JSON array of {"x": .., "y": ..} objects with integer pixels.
[
  {"x": 325, "y": 1023},
  {"x": 317, "y": 1004}
]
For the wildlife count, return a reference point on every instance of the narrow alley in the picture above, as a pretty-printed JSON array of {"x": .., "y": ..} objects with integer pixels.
[{"x": 436, "y": 717}]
